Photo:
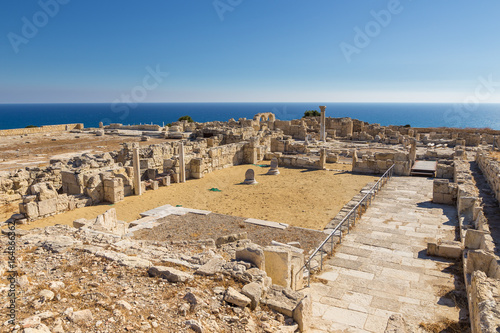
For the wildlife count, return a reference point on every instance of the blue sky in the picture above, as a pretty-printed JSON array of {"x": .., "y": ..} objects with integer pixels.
[{"x": 249, "y": 51}]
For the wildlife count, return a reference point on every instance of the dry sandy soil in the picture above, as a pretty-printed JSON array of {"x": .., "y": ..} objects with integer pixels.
[
  {"x": 299, "y": 197},
  {"x": 200, "y": 227},
  {"x": 37, "y": 149}
]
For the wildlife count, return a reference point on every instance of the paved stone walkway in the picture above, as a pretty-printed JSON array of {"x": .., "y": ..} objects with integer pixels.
[{"x": 381, "y": 267}]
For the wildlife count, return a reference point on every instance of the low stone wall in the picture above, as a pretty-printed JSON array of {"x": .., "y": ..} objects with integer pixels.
[
  {"x": 481, "y": 269},
  {"x": 445, "y": 171},
  {"x": 379, "y": 163},
  {"x": 444, "y": 192},
  {"x": 491, "y": 171},
  {"x": 41, "y": 129}
]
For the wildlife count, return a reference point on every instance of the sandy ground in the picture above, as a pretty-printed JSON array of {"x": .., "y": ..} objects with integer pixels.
[
  {"x": 19, "y": 151},
  {"x": 299, "y": 197}
]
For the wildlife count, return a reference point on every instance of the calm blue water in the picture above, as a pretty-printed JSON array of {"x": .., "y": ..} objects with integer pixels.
[{"x": 417, "y": 115}]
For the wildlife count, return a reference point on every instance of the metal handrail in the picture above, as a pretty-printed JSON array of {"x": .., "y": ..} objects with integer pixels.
[{"x": 352, "y": 213}]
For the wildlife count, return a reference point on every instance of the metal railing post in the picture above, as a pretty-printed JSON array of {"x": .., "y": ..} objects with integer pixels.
[{"x": 358, "y": 209}]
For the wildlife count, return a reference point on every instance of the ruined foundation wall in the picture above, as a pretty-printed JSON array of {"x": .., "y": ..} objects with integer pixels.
[
  {"x": 480, "y": 263},
  {"x": 491, "y": 171},
  {"x": 379, "y": 163},
  {"x": 41, "y": 129}
]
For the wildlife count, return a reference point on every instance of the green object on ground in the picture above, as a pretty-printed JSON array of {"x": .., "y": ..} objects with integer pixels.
[
  {"x": 178, "y": 205},
  {"x": 262, "y": 165},
  {"x": 215, "y": 189}
]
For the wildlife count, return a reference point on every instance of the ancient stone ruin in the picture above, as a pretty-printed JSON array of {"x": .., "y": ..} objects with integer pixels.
[{"x": 415, "y": 250}]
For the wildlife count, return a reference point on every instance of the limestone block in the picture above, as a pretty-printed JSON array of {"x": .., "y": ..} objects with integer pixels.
[
  {"x": 234, "y": 297},
  {"x": 47, "y": 207},
  {"x": 302, "y": 314},
  {"x": 253, "y": 254},
  {"x": 278, "y": 265},
  {"x": 79, "y": 223},
  {"x": 62, "y": 203},
  {"x": 253, "y": 290},
  {"x": 212, "y": 267},
  {"x": 31, "y": 209},
  {"x": 474, "y": 239},
  {"x": 106, "y": 221},
  {"x": 170, "y": 274}
]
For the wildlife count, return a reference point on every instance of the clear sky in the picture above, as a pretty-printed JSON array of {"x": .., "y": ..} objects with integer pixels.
[{"x": 249, "y": 51}]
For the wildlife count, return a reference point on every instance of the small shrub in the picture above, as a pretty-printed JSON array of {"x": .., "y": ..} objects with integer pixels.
[
  {"x": 31, "y": 126},
  {"x": 311, "y": 113},
  {"x": 188, "y": 118}
]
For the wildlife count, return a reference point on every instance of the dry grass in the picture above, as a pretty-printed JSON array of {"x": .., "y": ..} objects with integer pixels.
[{"x": 445, "y": 326}]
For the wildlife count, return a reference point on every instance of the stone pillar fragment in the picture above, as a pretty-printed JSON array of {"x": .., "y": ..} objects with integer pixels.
[
  {"x": 182, "y": 164},
  {"x": 413, "y": 150},
  {"x": 322, "y": 135},
  {"x": 137, "y": 172},
  {"x": 322, "y": 158}
]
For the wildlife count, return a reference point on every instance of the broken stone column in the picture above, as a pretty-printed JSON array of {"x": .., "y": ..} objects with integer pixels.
[
  {"x": 182, "y": 164},
  {"x": 250, "y": 177},
  {"x": 354, "y": 158},
  {"x": 274, "y": 167},
  {"x": 322, "y": 158},
  {"x": 322, "y": 135},
  {"x": 137, "y": 172},
  {"x": 101, "y": 125},
  {"x": 113, "y": 190},
  {"x": 413, "y": 150}
]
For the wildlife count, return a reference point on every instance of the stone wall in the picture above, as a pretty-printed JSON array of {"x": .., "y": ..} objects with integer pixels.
[
  {"x": 41, "y": 129},
  {"x": 378, "y": 163},
  {"x": 491, "y": 171},
  {"x": 444, "y": 192},
  {"x": 481, "y": 269}
]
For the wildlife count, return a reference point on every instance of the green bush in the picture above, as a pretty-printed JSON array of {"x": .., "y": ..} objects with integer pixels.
[
  {"x": 311, "y": 113},
  {"x": 31, "y": 126},
  {"x": 188, "y": 118}
]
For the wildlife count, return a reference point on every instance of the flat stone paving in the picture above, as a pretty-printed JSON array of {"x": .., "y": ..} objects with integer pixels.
[{"x": 381, "y": 267}]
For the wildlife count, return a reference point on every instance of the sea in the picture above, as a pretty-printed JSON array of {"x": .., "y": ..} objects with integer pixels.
[{"x": 413, "y": 114}]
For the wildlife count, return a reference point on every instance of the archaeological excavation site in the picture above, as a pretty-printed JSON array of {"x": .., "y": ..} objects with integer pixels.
[{"x": 317, "y": 224}]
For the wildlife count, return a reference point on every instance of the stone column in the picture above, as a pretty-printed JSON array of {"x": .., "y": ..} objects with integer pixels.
[
  {"x": 182, "y": 164},
  {"x": 322, "y": 134},
  {"x": 413, "y": 151},
  {"x": 137, "y": 172},
  {"x": 322, "y": 158},
  {"x": 354, "y": 158}
]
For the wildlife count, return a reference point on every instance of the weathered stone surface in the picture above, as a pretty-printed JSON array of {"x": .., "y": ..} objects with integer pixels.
[
  {"x": 195, "y": 325},
  {"x": 212, "y": 267},
  {"x": 47, "y": 295},
  {"x": 250, "y": 177},
  {"x": 170, "y": 274},
  {"x": 82, "y": 317},
  {"x": 278, "y": 260},
  {"x": 253, "y": 254},
  {"x": 40, "y": 328},
  {"x": 253, "y": 291},
  {"x": 230, "y": 238},
  {"x": 234, "y": 297},
  {"x": 124, "y": 305},
  {"x": 302, "y": 314},
  {"x": 396, "y": 324},
  {"x": 282, "y": 300}
]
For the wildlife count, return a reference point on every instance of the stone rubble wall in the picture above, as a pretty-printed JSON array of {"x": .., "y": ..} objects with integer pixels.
[
  {"x": 491, "y": 171},
  {"x": 41, "y": 129},
  {"x": 378, "y": 163},
  {"x": 481, "y": 268},
  {"x": 444, "y": 192}
]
